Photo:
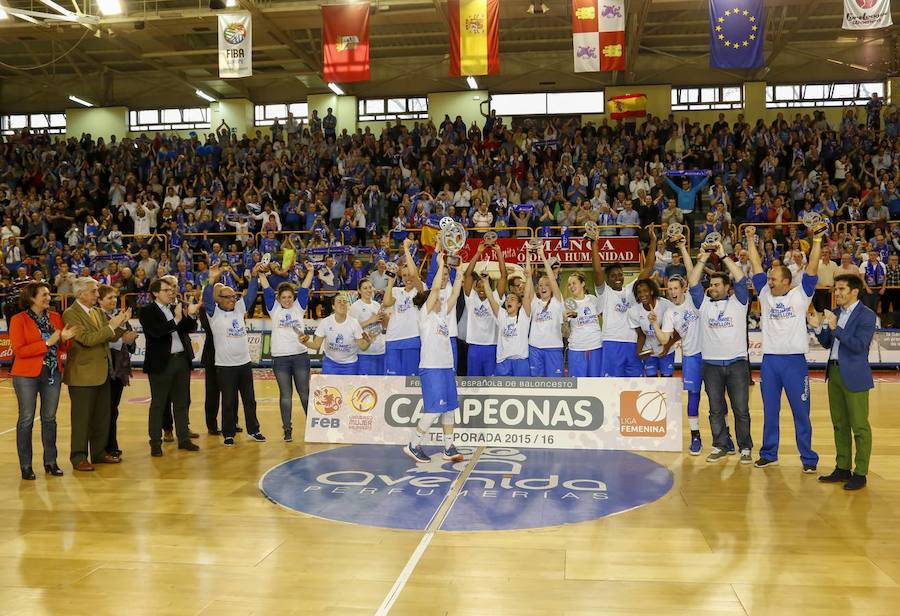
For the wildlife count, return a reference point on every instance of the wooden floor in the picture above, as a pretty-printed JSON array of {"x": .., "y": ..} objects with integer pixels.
[{"x": 190, "y": 534}]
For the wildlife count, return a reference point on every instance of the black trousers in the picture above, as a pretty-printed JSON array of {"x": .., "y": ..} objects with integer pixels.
[
  {"x": 172, "y": 383},
  {"x": 90, "y": 421},
  {"x": 234, "y": 380},
  {"x": 213, "y": 395},
  {"x": 116, "y": 387}
]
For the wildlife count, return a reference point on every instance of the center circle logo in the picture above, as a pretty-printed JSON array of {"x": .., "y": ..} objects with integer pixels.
[
  {"x": 234, "y": 33},
  {"x": 507, "y": 489}
]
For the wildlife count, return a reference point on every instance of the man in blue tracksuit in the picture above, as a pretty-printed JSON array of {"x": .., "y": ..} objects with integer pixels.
[
  {"x": 686, "y": 195},
  {"x": 785, "y": 344}
]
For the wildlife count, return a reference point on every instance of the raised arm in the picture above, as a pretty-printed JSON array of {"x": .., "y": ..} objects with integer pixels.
[
  {"x": 504, "y": 275},
  {"x": 752, "y": 250},
  {"x": 250, "y": 296},
  {"x": 468, "y": 281},
  {"x": 492, "y": 301},
  {"x": 433, "y": 303},
  {"x": 685, "y": 254},
  {"x": 650, "y": 258},
  {"x": 599, "y": 272},
  {"x": 454, "y": 294},
  {"x": 529, "y": 285}
]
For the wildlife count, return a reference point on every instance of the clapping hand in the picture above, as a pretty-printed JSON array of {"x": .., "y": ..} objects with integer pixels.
[
  {"x": 193, "y": 307},
  {"x": 814, "y": 319},
  {"x": 69, "y": 332},
  {"x": 118, "y": 320},
  {"x": 830, "y": 319},
  {"x": 179, "y": 311},
  {"x": 129, "y": 336}
]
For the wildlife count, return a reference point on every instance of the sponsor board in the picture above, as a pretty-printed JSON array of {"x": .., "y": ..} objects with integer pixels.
[
  {"x": 508, "y": 488},
  {"x": 578, "y": 252},
  {"x": 566, "y": 413}
]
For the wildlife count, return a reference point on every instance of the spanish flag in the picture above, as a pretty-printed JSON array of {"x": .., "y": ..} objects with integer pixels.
[
  {"x": 430, "y": 232},
  {"x": 628, "y": 106},
  {"x": 474, "y": 37}
]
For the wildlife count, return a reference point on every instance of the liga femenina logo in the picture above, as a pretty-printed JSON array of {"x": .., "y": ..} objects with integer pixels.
[{"x": 642, "y": 413}]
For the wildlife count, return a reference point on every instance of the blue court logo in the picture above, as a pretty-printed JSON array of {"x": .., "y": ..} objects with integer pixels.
[{"x": 507, "y": 489}]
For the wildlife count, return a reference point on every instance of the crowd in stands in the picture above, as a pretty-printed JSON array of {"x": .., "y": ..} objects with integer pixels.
[{"x": 129, "y": 211}]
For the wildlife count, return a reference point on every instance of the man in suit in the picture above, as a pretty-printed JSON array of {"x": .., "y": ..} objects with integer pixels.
[
  {"x": 167, "y": 327},
  {"x": 848, "y": 333},
  {"x": 88, "y": 368}
]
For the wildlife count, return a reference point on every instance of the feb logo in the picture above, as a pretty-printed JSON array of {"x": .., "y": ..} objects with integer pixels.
[
  {"x": 327, "y": 400},
  {"x": 363, "y": 399},
  {"x": 642, "y": 413},
  {"x": 475, "y": 24},
  {"x": 234, "y": 33}
]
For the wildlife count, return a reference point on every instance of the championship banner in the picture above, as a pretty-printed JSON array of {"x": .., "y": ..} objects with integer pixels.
[
  {"x": 474, "y": 37},
  {"x": 867, "y": 14},
  {"x": 583, "y": 413},
  {"x": 613, "y": 249},
  {"x": 345, "y": 42},
  {"x": 235, "y": 45},
  {"x": 598, "y": 35},
  {"x": 627, "y": 106}
]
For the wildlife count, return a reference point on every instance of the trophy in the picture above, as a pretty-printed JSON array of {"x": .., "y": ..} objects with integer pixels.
[
  {"x": 815, "y": 223},
  {"x": 712, "y": 241},
  {"x": 533, "y": 246},
  {"x": 490, "y": 238},
  {"x": 571, "y": 305},
  {"x": 591, "y": 230},
  {"x": 266, "y": 259},
  {"x": 391, "y": 269},
  {"x": 674, "y": 232},
  {"x": 452, "y": 237}
]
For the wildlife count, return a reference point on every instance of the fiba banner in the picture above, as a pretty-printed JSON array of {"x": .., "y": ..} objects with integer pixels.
[
  {"x": 474, "y": 37},
  {"x": 598, "y": 35},
  {"x": 574, "y": 413},
  {"x": 345, "y": 42},
  {"x": 867, "y": 14},
  {"x": 235, "y": 45},
  {"x": 613, "y": 249}
]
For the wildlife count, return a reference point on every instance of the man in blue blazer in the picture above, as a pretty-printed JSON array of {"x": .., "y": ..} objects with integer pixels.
[{"x": 848, "y": 333}]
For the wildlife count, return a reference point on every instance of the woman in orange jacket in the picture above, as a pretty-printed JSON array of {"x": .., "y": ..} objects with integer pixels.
[{"x": 39, "y": 342}]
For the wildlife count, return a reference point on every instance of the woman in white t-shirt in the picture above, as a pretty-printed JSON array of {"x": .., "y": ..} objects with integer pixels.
[
  {"x": 513, "y": 324},
  {"x": 290, "y": 359},
  {"x": 402, "y": 343},
  {"x": 545, "y": 344},
  {"x": 371, "y": 318},
  {"x": 342, "y": 338},
  {"x": 585, "y": 336},
  {"x": 658, "y": 358}
]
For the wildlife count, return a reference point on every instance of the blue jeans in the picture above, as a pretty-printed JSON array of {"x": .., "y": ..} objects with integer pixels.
[
  {"x": 27, "y": 390},
  {"x": 735, "y": 380},
  {"x": 290, "y": 368}
]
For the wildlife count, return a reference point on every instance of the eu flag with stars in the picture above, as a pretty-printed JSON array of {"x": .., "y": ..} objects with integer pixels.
[{"x": 736, "y": 30}]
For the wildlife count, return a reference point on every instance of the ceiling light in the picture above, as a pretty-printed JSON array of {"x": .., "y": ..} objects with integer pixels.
[
  {"x": 204, "y": 96},
  {"x": 80, "y": 101},
  {"x": 110, "y": 7},
  {"x": 59, "y": 9},
  {"x": 3, "y": 13},
  {"x": 335, "y": 88},
  {"x": 231, "y": 4},
  {"x": 473, "y": 85}
]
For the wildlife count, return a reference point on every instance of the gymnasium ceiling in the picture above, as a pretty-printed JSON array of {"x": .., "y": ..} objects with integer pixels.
[{"x": 159, "y": 51}]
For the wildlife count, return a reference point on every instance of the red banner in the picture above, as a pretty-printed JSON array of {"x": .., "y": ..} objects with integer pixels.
[
  {"x": 6, "y": 352},
  {"x": 613, "y": 249},
  {"x": 345, "y": 42}
]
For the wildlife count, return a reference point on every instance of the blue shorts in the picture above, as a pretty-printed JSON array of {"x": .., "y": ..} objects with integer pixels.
[
  {"x": 332, "y": 367},
  {"x": 372, "y": 365},
  {"x": 692, "y": 372},
  {"x": 438, "y": 390},
  {"x": 586, "y": 363},
  {"x": 664, "y": 366},
  {"x": 545, "y": 362},
  {"x": 513, "y": 367},
  {"x": 620, "y": 359},
  {"x": 482, "y": 359},
  {"x": 401, "y": 357}
]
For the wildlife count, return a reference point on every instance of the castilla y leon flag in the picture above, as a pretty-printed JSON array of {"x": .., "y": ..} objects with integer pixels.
[
  {"x": 474, "y": 37},
  {"x": 628, "y": 106},
  {"x": 345, "y": 42},
  {"x": 598, "y": 35}
]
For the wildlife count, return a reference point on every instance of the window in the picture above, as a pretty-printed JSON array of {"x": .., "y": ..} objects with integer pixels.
[
  {"x": 168, "y": 119},
  {"x": 707, "y": 98},
  {"x": 53, "y": 123},
  {"x": 548, "y": 103},
  {"x": 265, "y": 115},
  {"x": 405, "y": 108},
  {"x": 822, "y": 94}
]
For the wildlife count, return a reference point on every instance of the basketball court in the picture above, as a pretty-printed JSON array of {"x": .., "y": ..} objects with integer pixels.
[{"x": 294, "y": 528}]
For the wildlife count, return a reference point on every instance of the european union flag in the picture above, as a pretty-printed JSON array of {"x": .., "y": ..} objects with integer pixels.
[{"x": 736, "y": 30}]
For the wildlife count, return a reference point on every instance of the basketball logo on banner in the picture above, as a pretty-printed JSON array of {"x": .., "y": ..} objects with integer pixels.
[{"x": 235, "y": 45}]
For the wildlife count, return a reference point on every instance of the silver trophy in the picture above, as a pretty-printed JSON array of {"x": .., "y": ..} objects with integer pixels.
[
  {"x": 571, "y": 305},
  {"x": 452, "y": 238},
  {"x": 391, "y": 268},
  {"x": 711, "y": 241},
  {"x": 534, "y": 245},
  {"x": 674, "y": 232},
  {"x": 815, "y": 223},
  {"x": 490, "y": 238},
  {"x": 591, "y": 230},
  {"x": 446, "y": 222}
]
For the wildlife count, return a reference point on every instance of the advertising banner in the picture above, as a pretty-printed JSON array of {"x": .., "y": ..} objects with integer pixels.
[
  {"x": 582, "y": 413},
  {"x": 867, "y": 14},
  {"x": 578, "y": 252},
  {"x": 235, "y": 45}
]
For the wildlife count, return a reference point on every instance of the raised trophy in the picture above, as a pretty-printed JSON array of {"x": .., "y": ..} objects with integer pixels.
[
  {"x": 490, "y": 238},
  {"x": 533, "y": 246},
  {"x": 674, "y": 232},
  {"x": 571, "y": 305},
  {"x": 591, "y": 230},
  {"x": 815, "y": 223},
  {"x": 711, "y": 241},
  {"x": 391, "y": 268},
  {"x": 452, "y": 237}
]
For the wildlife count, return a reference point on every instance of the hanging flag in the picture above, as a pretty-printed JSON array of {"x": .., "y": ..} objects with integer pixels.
[
  {"x": 345, "y": 42},
  {"x": 598, "y": 35},
  {"x": 474, "y": 37},
  {"x": 627, "y": 106},
  {"x": 235, "y": 45},
  {"x": 867, "y": 14},
  {"x": 736, "y": 32}
]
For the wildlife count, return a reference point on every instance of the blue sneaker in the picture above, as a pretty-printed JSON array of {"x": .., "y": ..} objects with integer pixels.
[
  {"x": 730, "y": 449},
  {"x": 696, "y": 446},
  {"x": 416, "y": 453},
  {"x": 452, "y": 454}
]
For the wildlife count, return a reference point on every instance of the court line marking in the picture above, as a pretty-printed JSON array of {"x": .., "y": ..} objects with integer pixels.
[
  {"x": 434, "y": 524},
  {"x": 7, "y": 431}
]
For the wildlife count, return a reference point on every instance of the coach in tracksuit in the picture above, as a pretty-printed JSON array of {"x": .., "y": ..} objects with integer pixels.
[{"x": 785, "y": 344}]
